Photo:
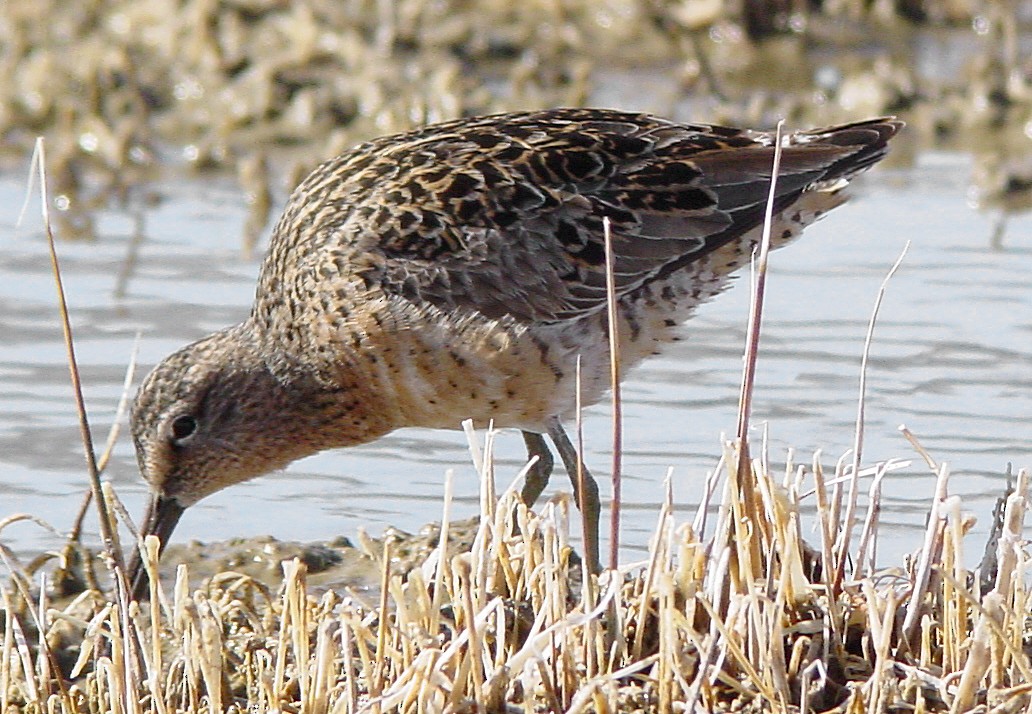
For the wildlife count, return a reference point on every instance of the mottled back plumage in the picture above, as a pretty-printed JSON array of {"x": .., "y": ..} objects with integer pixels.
[
  {"x": 503, "y": 214},
  {"x": 458, "y": 271}
]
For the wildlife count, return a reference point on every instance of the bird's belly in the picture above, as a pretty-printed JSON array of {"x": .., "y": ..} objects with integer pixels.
[
  {"x": 479, "y": 369},
  {"x": 509, "y": 374}
]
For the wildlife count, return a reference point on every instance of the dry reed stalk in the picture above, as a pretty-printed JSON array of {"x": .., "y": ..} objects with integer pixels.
[
  {"x": 441, "y": 555},
  {"x": 930, "y": 552},
  {"x": 377, "y": 684},
  {"x": 702, "y": 511},
  {"x": 578, "y": 406},
  {"x": 491, "y": 534},
  {"x": 955, "y": 613},
  {"x": 744, "y": 507},
  {"x": 38, "y": 168},
  {"x": 109, "y": 445},
  {"x": 869, "y": 533},
  {"x": 658, "y": 565},
  {"x": 846, "y": 532},
  {"x": 615, "y": 400},
  {"x": 909, "y": 436}
]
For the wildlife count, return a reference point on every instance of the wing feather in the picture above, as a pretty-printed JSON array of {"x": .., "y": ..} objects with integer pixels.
[{"x": 504, "y": 214}]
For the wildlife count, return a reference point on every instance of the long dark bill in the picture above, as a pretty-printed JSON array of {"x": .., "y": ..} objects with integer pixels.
[{"x": 160, "y": 520}]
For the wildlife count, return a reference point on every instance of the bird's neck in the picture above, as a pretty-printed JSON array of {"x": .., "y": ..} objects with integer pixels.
[{"x": 330, "y": 385}]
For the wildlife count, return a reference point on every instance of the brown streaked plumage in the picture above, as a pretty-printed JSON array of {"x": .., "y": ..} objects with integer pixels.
[{"x": 457, "y": 271}]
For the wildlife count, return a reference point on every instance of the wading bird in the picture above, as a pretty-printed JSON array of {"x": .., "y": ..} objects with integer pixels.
[{"x": 458, "y": 271}]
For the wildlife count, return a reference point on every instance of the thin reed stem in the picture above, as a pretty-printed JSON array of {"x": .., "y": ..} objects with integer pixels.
[{"x": 617, "y": 402}]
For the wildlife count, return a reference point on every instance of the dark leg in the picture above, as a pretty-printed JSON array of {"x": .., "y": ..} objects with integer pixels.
[
  {"x": 537, "y": 476},
  {"x": 588, "y": 500}
]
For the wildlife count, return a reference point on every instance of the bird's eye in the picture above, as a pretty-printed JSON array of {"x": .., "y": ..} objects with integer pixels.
[{"x": 182, "y": 427}]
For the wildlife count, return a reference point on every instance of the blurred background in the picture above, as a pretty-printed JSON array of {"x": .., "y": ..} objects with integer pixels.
[{"x": 174, "y": 130}]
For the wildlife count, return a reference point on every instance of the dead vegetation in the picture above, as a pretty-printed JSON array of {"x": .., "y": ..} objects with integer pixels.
[{"x": 713, "y": 621}]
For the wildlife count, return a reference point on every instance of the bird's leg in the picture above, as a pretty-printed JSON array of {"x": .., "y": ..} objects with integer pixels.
[
  {"x": 537, "y": 475},
  {"x": 587, "y": 498}
]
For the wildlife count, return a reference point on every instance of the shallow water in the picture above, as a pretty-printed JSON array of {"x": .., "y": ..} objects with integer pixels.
[{"x": 951, "y": 359}]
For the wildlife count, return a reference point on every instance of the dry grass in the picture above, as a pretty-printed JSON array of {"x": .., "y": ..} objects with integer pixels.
[{"x": 703, "y": 625}]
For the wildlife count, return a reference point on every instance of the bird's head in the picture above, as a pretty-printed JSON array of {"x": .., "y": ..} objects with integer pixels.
[{"x": 208, "y": 416}]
